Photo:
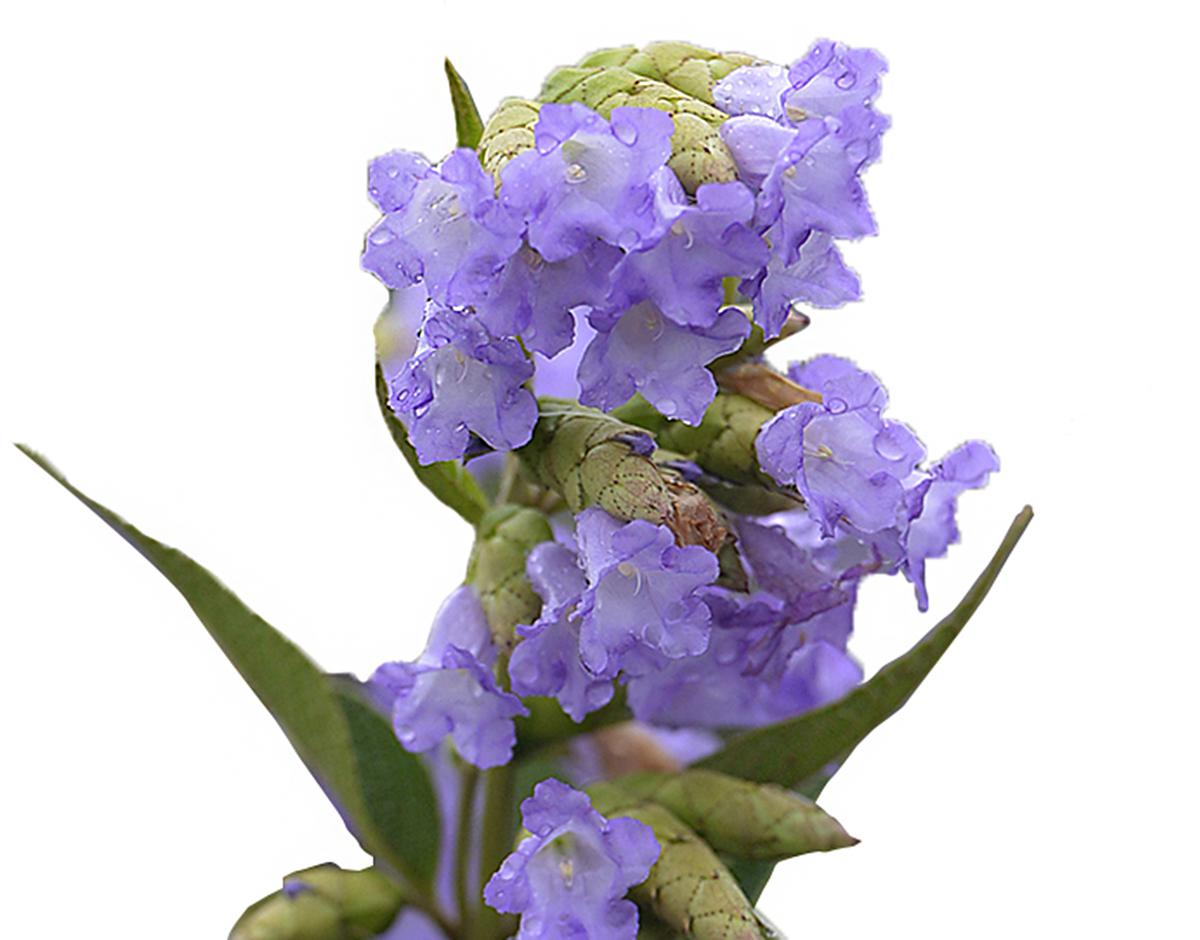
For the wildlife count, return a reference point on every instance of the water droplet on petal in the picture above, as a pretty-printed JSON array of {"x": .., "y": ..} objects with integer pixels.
[
  {"x": 575, "y": 173},
  {"x": 835, "y": 406},
  {"x": 888, "y": 444},
  {"x": 626, "y": 133}
]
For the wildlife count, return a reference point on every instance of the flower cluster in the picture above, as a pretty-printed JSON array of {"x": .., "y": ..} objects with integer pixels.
[
  {"x": 584, "y": 270},
  {"x": 591, "y": 225}
]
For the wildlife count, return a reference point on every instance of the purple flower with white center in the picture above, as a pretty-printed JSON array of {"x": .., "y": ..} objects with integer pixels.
[
  {"x": 934, "y": 529},
  {"x": 546, "y": 661},
  {"x": 589, "y": 178},
  {"x": 642, "y": 602},
  {"x": 753, "y": 89},
  {"x": 830, "y": 78},
  {"x": 641, "y": 350},
  {"x": 818, "y": 276},
  {"x": 463, "y": 381},
  {"x": 701, "y": 243},
  {"x": 535, "y": 298},
  {"x": 847, "y": 461},
  {"x": 443, "y": 227},
  {"x": 569, "y": 877},
  {"x": 450, "y": 690}
]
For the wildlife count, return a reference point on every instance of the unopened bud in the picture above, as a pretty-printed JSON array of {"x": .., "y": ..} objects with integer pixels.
[
  {"x": 323, "y": 903},
  {"x": 690, "y": 69},
  {"x": 742, "y": 818},
  {"x": 508, "y": 132},
  {"x": 496, "y": 569}
]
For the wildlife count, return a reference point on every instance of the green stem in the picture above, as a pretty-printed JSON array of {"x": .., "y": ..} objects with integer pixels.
[
  {"x": 462, "y": 848},
  {"x": 496, "y": 841}
]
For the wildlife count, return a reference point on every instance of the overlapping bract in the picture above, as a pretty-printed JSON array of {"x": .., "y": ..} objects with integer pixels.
[{"x": 591, "y": 223}]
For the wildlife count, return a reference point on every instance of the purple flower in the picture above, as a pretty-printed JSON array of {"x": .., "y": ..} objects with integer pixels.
[
  {"x": 641, "y": 350},
  {"x": 847, "y": 461},
  {"x": 535, "y": 297},
  {"x": 589, "y": 178},
  {"x": 642, "y": 601},
  {"x": 443, "y": 227},
  {"x": 755, "y": 143},
  {"x": 830, "y": 78},
  {"x": 450, "y": 691},
  {"x": 547, "y": 661},
  {"x": 818, "y": 276},
  {"x": 702, "y": 243},
  {"x": 814, "y": 183},
  {"x": 760, "y": 666},
  {"x": 753, "y": 89},
  {"x": 569, "y": 877},
  {"x": 463, "y": 381},
  {"x": 934, "y": 529}
]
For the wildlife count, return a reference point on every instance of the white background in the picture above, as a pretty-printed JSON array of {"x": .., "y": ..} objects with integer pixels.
[{"x": 187, "y": 334}]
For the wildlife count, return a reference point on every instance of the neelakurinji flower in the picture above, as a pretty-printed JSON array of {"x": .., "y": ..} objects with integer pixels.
[
  {"x": 642, "y": 601},
  {"x": 547, "y": 661},
  {"x": 569, "y": 877},
  {"x": 846, "y": 460},
  {"x": 463, "y": 381},
  {"x": 642, "y": 350},
  {"x": 443, "y": 226},
  {"x": 587, "y": 177},
  {"x": 450, "y": 690}
]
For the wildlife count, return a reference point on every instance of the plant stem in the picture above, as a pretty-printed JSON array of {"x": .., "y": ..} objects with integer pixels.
[
  {"x": 462, "y": 849},
  {"x": 499, "y": 827}
]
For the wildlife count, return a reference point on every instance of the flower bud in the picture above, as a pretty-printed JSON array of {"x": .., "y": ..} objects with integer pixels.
[
  {"x": 592, "y": 459},
  {"x": 742, "y": 818},
  {"x": 508, "y": 132},
  {"x": 690, "y": 69},
  {"x": 497, "y": 568},
  {"x": 323, "y": 903}
]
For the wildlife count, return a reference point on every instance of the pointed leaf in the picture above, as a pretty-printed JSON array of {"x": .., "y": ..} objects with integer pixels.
[
  {"x": 468, "y": 125},
  {"x": 790, "y": 752},
  {"x": 334, "y": 745},
  {"x": 448, "y": 480}
]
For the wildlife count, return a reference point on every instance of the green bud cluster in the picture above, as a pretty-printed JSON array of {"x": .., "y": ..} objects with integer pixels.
[
  {"x": 328, "y": 903},
  {"x": 508, "y": 132},
  {"x": 496, "y": 569},
  {"x": 693, "y": 70},
  {"x": 586, "y": 457}
]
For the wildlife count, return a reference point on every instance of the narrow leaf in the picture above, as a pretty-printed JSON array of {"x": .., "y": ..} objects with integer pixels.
[
  {"x": 298, "y": 696},
  {"x": 448, "y": 480},
  {"x": 468, "y": 125},
  {"x": 790, "y": 752}
]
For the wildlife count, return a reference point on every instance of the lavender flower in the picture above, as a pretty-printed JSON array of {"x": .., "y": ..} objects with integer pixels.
[
  {"x": 443, "y": 227},
  {"x": 569, "y": 877},
  {"x": 589, "y": 178},
  {"x": 642, "y": 599},
  {"x": 847, "y": 461},
  {"x": 547, "y": 661},
  {"x": 830, "y": 78},
  {"x": 701, "y": 244},
  {"x": 641, "y": 350},
  {"x": 450, "y": 691},
  {"x": 463, "y": 381},
  {"x": 934, "y": 529}
]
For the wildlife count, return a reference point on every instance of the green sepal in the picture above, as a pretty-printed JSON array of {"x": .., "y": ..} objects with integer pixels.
[
  {"x": 586, "y": 457},
  {"x": 749, "y": 820},
  {"x": 508, "y": 132},
  {"x": 691, "y": 69},
  {"x": 698, "y": 154},
  {"x": 496, "y": 568},
  {"x": 306, "y": 706},
  {"x": 468, "y": 125},
  {"x": 791, "y": 752},
  {"x": 327, "y": 903},
  {"x": 689, "y": 889},
  {"x": 448, "y": 480}
]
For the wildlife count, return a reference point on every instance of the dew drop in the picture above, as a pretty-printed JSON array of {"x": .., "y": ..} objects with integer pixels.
[
  {"x": 626, "y": 133},
  {"x": 888, "y": 446},
  {"x": 575, "y": 173},
  {"x": 836, "y": 406}
]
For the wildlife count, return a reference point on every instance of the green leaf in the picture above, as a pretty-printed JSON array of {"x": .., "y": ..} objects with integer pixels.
[
  {"x": 468, "y": 125},
  {"x": 333, "y": 738},
  {"x": 790, "y": 752},
  {"x": 448, "y": 480}
]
